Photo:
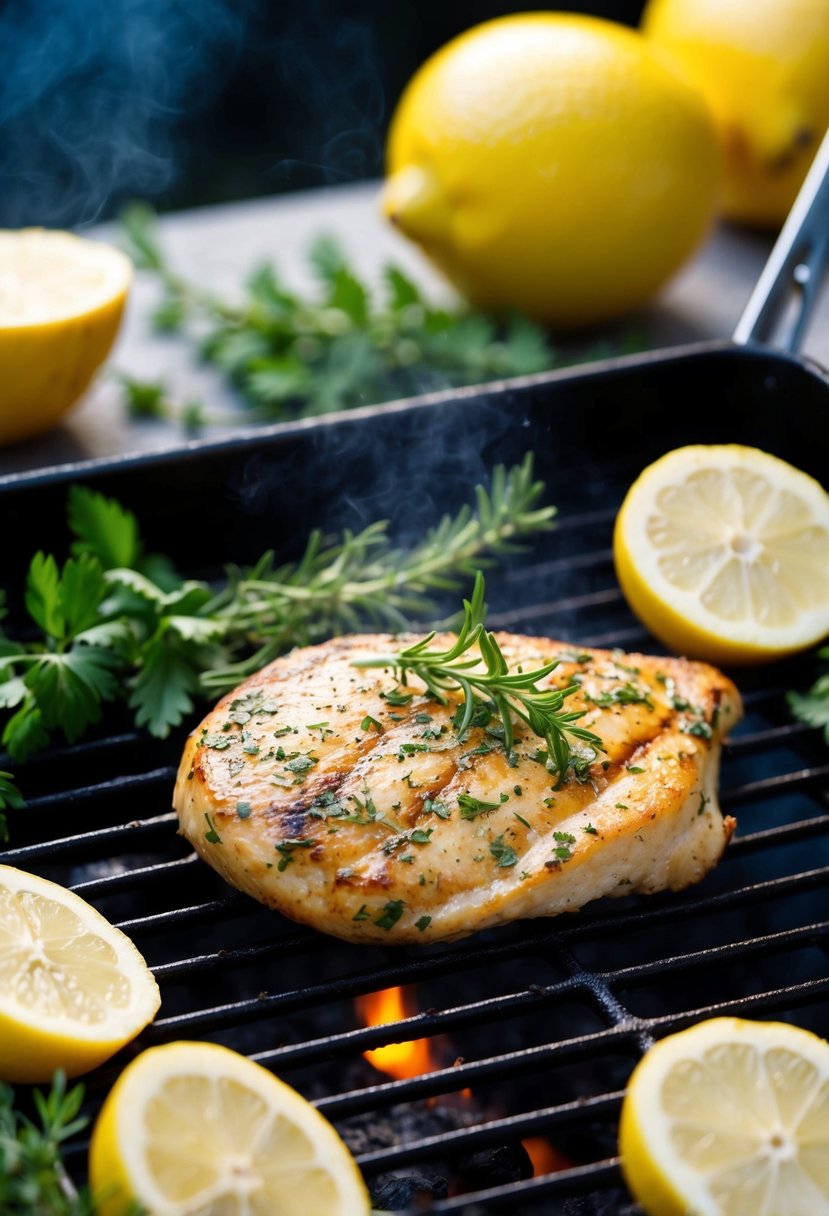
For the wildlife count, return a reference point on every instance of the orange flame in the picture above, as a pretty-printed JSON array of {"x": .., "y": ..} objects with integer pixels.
[
  {"x": 545, "y": 1157},
  {"x": 398, "y": 1060}
]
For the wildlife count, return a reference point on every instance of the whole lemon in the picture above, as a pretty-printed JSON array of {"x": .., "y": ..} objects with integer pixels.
[
  {"x": 763, "y": 67},
  {"x": 554, "y": 164}
]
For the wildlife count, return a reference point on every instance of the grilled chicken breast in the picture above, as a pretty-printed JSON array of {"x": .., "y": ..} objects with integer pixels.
[{"x": 346, "y": 800}]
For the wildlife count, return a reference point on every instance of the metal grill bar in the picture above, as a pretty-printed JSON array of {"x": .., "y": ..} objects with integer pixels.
[{"x": 518, "y": 1005}]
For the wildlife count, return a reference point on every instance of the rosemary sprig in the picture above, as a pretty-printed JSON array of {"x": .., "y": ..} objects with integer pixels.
[
  {"x": 115, "y": 623},
  {"x": 33, "y": 1181},
  {"x": 362, "y": 580},
  {"x": 509, "y": 693}
]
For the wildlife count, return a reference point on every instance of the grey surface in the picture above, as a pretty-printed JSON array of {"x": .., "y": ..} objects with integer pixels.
[{"x": 216, "y": 246}]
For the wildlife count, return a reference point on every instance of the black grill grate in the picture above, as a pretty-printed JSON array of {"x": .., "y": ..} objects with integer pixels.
[{"x": 543, "y": 1021}]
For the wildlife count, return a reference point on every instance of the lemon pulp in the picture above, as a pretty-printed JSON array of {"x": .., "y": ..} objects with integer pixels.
[
  {"x": 73, "y": 988},
  {"x": 730, "y": 1118},
  {"x": 194, "y": 1128},
  {"x": 61, "y": 302},
  {"x": 723, "y": 552}
]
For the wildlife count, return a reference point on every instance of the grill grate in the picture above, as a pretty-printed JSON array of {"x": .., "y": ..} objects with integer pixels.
[{"x": 542, "y": 1022}]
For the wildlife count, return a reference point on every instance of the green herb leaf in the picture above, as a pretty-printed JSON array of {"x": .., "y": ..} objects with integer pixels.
[
  {"x": 504, "y": 855},
  {"x": 392, "y": 911}
]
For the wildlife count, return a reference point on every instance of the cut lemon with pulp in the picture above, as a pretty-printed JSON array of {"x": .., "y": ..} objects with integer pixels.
[
  {"x": 73, "y": 988},
  {"x": 723, "y": 552},
  {"x": 730, "y": 1118},
  {"x": 61, "y": 301},
  {"x": 194, "y": 1129}
]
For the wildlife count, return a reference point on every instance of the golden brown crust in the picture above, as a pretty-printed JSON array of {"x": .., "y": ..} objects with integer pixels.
[{"x": 333, "y": 795}]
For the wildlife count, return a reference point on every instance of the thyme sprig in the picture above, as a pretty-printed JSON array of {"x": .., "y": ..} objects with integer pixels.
[{"x": 508, "y": 692}]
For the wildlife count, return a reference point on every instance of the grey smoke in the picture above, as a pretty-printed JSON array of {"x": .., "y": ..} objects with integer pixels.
[{"x": 101, "y": 100}]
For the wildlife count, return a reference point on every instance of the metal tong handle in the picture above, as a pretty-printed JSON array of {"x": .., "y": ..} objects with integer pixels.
[{"x": 781, "y": 304}]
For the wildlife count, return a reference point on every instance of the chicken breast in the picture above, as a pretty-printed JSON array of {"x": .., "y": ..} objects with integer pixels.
[{"x": 346, "y": 800}]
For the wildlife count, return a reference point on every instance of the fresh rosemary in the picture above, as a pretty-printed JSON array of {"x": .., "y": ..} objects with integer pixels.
[
  {"x": 33, "y": 1179},
  {"x": 115, "y": 623},
  {"x": 508, "y": 693}
]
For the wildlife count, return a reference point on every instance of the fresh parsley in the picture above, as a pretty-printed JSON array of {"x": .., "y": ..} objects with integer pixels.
[
  {"x": 114, "y": 623},
  {"x": 812, "y": 707},
  {"x": 291, "y": 355}
]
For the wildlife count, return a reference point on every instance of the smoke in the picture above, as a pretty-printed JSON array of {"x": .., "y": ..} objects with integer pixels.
[
  {"x": 101, "y": 100},
  {"x": 333, "y": 66}
]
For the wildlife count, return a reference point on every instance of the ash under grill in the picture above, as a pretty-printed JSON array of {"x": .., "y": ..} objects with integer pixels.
[{"x": 535, "y": 1027}]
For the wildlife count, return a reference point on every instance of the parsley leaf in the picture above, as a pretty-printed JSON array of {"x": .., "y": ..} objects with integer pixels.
[{"x": 812, "y": 707}]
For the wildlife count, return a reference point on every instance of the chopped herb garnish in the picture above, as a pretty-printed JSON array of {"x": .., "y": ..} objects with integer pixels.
[
  {"x": 621, "y": 806},
  {"x": 301, "y": 764},
  {"x": 362, "y": 913},
  {"x": 471, "y": 807},
  {"x": 633, "y": 768},
  {"x": 243, "y": 810},
  {"x": 701, "y": 729},
  {"x": 391, "y": 914},
  {"x": 424, "y": 922},
  {"x": 285, "y": 848},
  {"x": 624, "y": 694},
  {"x": 217, "y": 742},
  {"x": 521, "y": 819},
  {"x": 516, "y": 789},
  {"x": 409, "y": 749},
  {"x": 436, "y": 807},
  {"x": 369, "y": 723},
  {"x": 502, "y": 852},
  {"x": 588, "y": 827},
  {"x": 211, "y": 836},
  {"x": 395, "y": 696}
]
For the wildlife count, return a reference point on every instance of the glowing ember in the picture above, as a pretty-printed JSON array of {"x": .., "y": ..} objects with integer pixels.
[
  {"x": 398, "y": 1060},
  {"x": 545, "y": 1158}
]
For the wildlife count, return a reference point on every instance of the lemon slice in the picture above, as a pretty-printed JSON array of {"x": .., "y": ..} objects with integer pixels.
[
  {"x": 730, "y": 1118},
  {"x": 194, "y": 1129},
  {"x": 73, "y": 988},
  {"x": 61, "y": 301},
  {"x": 723, "y": 552}
]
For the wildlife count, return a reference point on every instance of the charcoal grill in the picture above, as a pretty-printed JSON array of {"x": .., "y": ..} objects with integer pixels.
[
  {"x": 541, "y": 1022},
  {"x": 537, "y": 1025}
]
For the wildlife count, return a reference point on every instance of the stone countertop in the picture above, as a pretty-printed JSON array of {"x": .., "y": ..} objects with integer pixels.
[{"x": 216, "y": 246}]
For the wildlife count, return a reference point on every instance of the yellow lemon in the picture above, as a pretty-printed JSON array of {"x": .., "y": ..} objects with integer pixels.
[
  {"x": 194, "y": 1129},
  {"x": 730, "y": 1118},
  {"x": 61, "y": 301},
  {"x": 554, "y": 164},
  {"x": 723, "y": 552},
  {"x": 73, "y": 988},
  {"x": 763, "y": 66}
]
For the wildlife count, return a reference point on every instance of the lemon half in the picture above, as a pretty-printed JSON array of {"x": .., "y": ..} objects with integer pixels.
[
  {"x": 61, "y": 302},
  {"x": 730, "y": 1118},
  {"x": 723, "y": 553},
  {"x": 194, "y": 1129},
  {"x": 73, "y": 988}
]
